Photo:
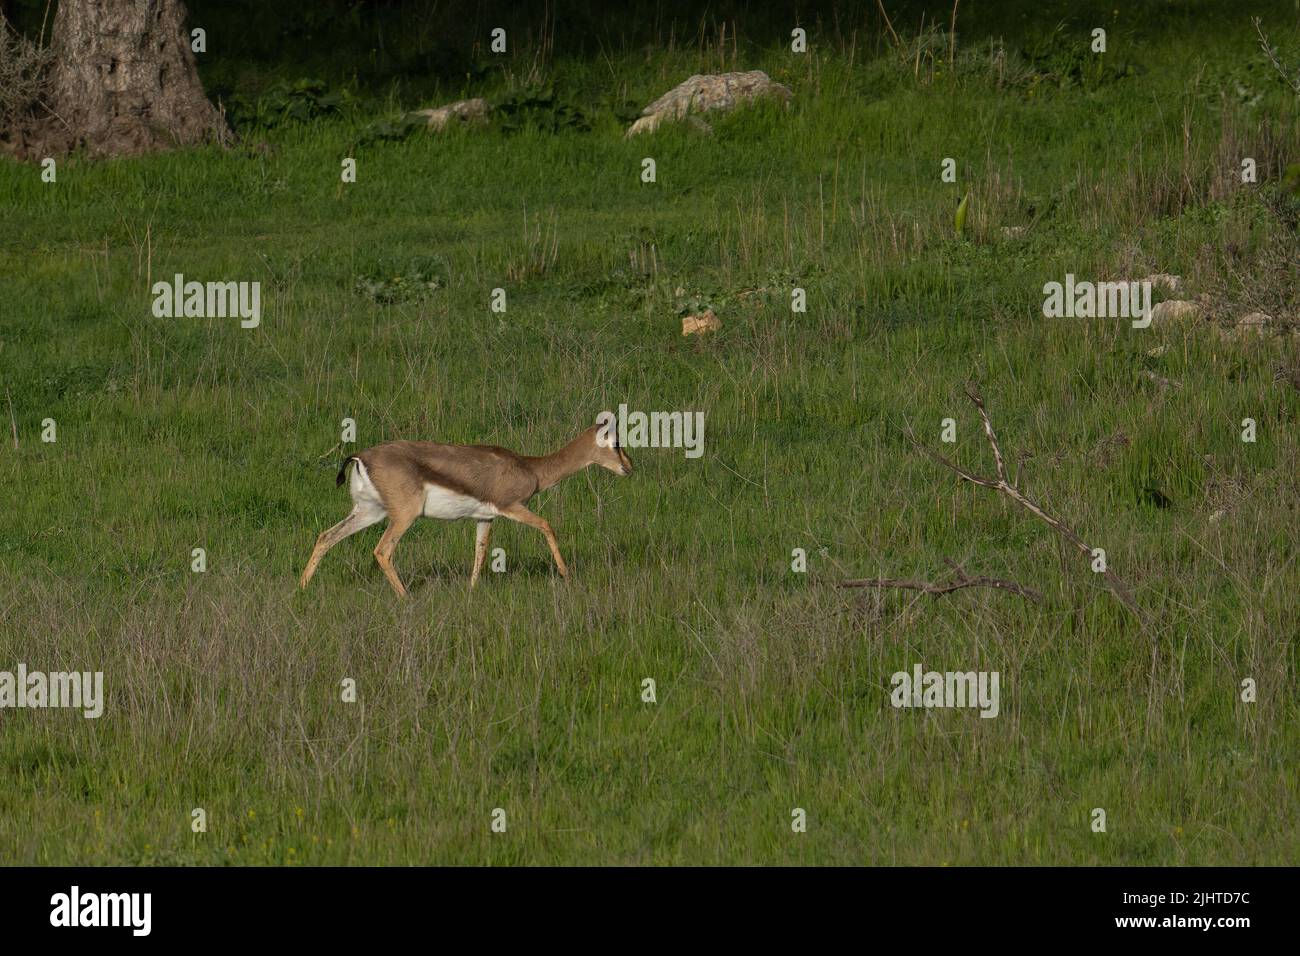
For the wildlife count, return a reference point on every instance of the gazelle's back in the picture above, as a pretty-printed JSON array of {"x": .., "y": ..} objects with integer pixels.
[{"x": 486, "y": 473}]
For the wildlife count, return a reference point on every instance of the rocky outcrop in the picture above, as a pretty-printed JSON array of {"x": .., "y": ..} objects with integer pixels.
[
  {"x": 462, "y": 111},
  {"x": 1166, "y": 282},
  {"x": 708, "y": 93},
  {"x": 1175, "y": 310}
]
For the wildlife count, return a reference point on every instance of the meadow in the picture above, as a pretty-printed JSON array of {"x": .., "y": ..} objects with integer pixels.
[{"x": 772, "y": 686}]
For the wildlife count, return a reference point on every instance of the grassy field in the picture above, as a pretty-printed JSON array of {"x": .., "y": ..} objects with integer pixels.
[{"x": 223, "y": 687}]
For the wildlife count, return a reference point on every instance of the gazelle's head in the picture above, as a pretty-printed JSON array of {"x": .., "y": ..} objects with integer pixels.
[{"x": 608, "y": 451}]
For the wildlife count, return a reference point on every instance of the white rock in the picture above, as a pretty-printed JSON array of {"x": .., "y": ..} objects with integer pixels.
[
  {"x": 1165, "y": 281},
  {"x": 1164, "y": 383},
  {"x": 1254, "y": 323},
  {"x": 465, "y": 111},
  {"x": 1175, "y": 310},
  {"x": 705, "y": 93},
  {"x": 705, "y": 321}
]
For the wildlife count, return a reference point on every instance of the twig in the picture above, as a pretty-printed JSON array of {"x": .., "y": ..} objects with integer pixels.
[
  {"x": 13, "y": 422},
  {"x": 898, "y": 44},
  {"x": 1121, "y": 590},
  {"x": 960, "y": 580},
  {"x": 1293, "y": 82},
  {"x": 952, "y": 38}
]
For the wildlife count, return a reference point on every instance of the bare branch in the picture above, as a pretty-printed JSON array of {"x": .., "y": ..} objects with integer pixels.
[
  {"x": 960, "y": 580},
  {"x": 972, "y": 392},
  {"x": 898, "y": 44},
  {"x": 1271, "y": 53},
  {"x": 973, "y": 479},
  {"x": 1121, "y": 590}
]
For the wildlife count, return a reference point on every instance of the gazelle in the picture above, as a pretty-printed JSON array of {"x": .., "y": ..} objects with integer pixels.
[{"x": 404, "y": 480}]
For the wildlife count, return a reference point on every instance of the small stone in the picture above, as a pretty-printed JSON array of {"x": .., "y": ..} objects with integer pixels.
[
  {"x": 1175, "y": 310},
  {"x": 1164, "y": 383},
  {"x": 705, "y": 321},
  {"x": 1282, "y": 373},
  {"x": 1165, "y": 281},
  {"x": 465, "y": 111},
  {"x": 1253, "y": 323}
]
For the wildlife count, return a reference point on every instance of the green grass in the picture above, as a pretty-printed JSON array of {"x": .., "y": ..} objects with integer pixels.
[{"x": 773, "y": 687}]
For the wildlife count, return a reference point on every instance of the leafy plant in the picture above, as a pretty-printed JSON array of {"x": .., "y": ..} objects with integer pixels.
[
  {"x": 538, "y": 108},
  {"x": 391, "y": 130},
  {"x": 1291, "y": 179},
  {"x": 284, "y": 102},
  {"x": 1064, "y": 60},
  {"x": 414, "y": 281}
]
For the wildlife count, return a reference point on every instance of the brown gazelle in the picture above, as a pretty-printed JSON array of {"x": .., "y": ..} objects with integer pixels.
[{"x": 404, "y": 480}]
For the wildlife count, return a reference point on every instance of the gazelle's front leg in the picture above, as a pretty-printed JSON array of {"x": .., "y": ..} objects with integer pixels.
[
  {"x": 481, "y": 535},
  {"x": 524, "y": 516}
]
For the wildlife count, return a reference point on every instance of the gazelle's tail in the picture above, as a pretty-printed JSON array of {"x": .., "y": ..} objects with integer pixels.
[{"x": 343, "y": 469}]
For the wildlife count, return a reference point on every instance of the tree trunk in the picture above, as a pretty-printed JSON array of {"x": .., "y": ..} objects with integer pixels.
[{"x": 124, "y": 80}]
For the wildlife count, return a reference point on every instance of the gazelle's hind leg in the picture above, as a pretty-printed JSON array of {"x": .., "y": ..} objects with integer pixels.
[
  {"x": 363, "y": 516},
  {"x": 398, "y": 523}
]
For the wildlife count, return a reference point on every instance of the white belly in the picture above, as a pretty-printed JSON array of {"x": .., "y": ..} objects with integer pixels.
[
  {"x": 448, "y": 505},
  {"x": 439, "y": 502}
]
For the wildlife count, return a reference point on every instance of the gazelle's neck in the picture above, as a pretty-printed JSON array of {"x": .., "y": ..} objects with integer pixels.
[{"x": 558, "y": 465}]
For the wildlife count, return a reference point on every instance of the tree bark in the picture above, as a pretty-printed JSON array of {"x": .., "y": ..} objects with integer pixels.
[{"x": 124, "y": 80}]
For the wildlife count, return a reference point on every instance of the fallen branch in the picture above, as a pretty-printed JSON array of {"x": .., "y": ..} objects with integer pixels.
[
  {"x": 1117, "y": 586},
  {"x": 960, "y": 580}
]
